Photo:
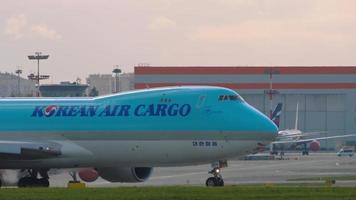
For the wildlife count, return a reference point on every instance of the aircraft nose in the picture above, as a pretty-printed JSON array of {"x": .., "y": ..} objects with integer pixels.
[
  {"x": 269, "y": 126},
  {"x": 264, "y": 124},
  {"x": 269, "y": 129}
]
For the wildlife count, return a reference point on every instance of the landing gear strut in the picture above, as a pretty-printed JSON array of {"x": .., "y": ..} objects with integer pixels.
[
  {"x": 273, "y": 150},
  {"x": 73, "y": 174},
  {"x": 217, "y": 180},
  {"x": 31, "y": 180},
  {"x": 305, "y": 150}
]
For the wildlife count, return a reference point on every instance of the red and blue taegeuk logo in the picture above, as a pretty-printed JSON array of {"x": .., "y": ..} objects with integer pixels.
[{"x": 50, "y": 110}]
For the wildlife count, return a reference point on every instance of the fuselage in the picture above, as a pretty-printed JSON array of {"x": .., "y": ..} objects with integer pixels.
[
  {"x": 154, "y": 127},
  {"x": 290, "y": 134}
]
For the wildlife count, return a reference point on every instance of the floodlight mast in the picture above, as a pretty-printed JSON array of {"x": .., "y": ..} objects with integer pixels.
[
  {"x": 38, "y": 56},
  {"x": 18, "y": 72},
  {"x": 270, "y": 92},
  {"x": 116, "y": 71}
]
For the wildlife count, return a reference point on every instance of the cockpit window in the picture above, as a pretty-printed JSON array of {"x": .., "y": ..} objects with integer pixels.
[{"x": 230, "y": 98}]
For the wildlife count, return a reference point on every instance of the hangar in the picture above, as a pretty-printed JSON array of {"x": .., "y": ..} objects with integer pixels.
[{"x": 326, "y": 95}]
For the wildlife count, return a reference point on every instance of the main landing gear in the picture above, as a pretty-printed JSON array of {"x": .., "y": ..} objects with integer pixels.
[
  {"x": 217, "y": 180},
  {"x": 31, "y": 180},
  {"x": 305, "y": 150}
]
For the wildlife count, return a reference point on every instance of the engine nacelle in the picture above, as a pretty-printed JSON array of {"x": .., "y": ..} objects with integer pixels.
[
  {"x": 314, "y": 146},
  {"x": 88, "y": 175},
  {"x": 127, "y": 175}
]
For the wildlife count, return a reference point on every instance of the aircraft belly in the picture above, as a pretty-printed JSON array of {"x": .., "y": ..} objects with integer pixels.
[
  {"x": 139, "y": 149},
  {"x": 164, "y": 153}
]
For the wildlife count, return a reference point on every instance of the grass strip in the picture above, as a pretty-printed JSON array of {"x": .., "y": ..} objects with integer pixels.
[{"x": 181, "y": 192}]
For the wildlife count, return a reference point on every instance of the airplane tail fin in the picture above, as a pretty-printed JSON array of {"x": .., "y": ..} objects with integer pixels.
[
  {"x": 276, "y": 114},
  {"x": 296, "y": 117}
]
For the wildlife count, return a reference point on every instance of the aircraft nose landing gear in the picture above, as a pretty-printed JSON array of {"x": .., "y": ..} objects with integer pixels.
[{"x": 217, "y": 180}]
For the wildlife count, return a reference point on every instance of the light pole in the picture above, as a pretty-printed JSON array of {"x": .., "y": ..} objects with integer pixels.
[
  {"x": 270, "y": 92},
  {"x": 38, "y": 56},
  {"x": 18, "y": 72},
  {"x": 116, "y": 71}
]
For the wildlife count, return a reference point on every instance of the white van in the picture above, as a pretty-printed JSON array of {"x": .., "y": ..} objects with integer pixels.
[{"x": 345, "y": 152}]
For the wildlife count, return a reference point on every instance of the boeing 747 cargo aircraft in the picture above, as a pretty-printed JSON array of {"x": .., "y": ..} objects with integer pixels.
[{"x": 122, "y": 137}]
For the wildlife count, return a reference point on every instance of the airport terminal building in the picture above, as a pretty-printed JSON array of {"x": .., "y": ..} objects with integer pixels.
[{"x": 326, "y": 95}]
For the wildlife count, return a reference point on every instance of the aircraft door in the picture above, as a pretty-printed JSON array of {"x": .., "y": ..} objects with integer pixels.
[{"x": 201, "y": 101}]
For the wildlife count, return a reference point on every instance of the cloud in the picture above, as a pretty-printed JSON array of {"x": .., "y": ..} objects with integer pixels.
[
  {"x": 18, "y": 27},
  {"x": 161, "y": 23},
  {"x": 15, "y": 26},
  {"x": 312, "y": 29},
  {"x": 281, "y": 21},
  {"x": 44, "y": 31}
]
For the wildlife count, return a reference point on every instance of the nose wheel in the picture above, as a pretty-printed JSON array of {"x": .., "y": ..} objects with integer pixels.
[{"x": 216, "y": 180}]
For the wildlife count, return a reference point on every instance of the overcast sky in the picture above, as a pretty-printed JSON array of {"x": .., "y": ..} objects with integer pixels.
[{"x": 91, "y": 36}]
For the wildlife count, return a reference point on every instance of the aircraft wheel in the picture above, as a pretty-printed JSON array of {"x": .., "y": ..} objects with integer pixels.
[
  {"x": 214, "y": 182},
  {"x": 33, "y": 182},
  {"x": 43, "y": 182},
  {"x": 220, "y": 182},
  {"x": 210, "y": 182},
  {"x": 25, "y": 182}
]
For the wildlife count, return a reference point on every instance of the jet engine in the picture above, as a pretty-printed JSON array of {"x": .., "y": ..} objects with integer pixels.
[
  {"x": 127, "y": 175},
  {"x": 88, "y": 175},
  {"x": 314, "y": 145}
]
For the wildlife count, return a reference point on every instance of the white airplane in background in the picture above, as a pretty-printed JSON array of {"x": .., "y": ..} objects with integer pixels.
[
  {"x": 291, "y": 134},
  {"x": 297, "y": 137}
]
